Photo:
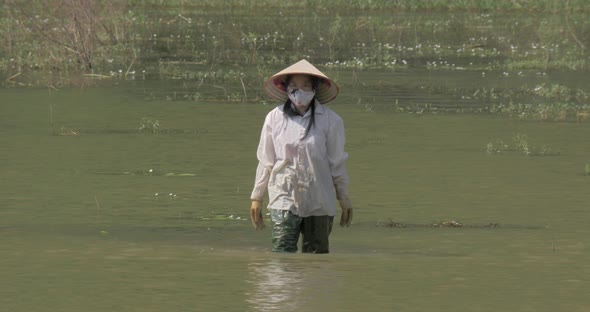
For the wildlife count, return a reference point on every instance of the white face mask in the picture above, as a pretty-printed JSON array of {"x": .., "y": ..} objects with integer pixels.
[{"x": 301, "y": 98}]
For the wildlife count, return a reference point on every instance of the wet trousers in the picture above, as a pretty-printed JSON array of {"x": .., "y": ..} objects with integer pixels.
[{"x": 286, "y": 228}]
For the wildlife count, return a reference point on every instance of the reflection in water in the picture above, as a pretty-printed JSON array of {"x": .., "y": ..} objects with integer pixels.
[
  {"x": 292, "y": 283},
  {"x": 277, "y": 285}
]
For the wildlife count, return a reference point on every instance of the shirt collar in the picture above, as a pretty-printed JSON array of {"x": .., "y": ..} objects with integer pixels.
[{"x": 319, "y": 107}]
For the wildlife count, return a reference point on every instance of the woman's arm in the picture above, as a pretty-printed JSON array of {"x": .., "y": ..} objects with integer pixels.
[
  {"x": 337, "y": 156},
  {"x": 266, "y": 159}
]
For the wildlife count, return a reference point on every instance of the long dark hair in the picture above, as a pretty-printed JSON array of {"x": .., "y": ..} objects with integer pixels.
[{"x": 288, "y": 107}]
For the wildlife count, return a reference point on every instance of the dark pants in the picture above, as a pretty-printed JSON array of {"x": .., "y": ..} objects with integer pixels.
[{"x": 286, "y": 228}]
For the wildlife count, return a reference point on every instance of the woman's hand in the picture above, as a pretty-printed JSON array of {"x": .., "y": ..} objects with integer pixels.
[
  {"x": 346, "y": 217},
  {"x": 256, "y": 215}
]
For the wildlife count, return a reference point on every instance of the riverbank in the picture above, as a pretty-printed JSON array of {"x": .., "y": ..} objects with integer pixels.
[{"x": 54, "y": 45}]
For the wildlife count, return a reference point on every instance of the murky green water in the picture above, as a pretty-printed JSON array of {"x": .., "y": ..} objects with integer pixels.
[
  {"x": 97, "y": 215},
  {"x": 83, "y": 229}
]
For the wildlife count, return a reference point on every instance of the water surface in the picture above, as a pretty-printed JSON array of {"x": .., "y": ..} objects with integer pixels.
[
  {"x": 98, "y": 215},
  {"x": 83, "y": 228}
]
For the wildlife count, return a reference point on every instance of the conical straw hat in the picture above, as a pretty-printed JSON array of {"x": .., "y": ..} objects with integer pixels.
[{"x": 276, "y": 89}]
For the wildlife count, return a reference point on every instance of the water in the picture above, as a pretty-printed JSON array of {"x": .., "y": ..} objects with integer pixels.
[
  {"x": 83, "y": 228},
  {"x": 97, "y": 215}
]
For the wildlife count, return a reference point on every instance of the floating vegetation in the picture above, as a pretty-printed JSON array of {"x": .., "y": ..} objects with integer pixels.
[
  {"x": 447, "y": 223},
  {"x": 520, "y": 144},
  {"x": 171, "y": 195},
  {"x": 152, "y": 172},
  {"x": 554, "y": 102},
  {"x": 560, "y": 112},
  {"x": 64, "y": 131},
  {"x": 547, "y": 112},
  {"x": 224, "y": 217},
  {"x": 149, "y": 125},
  {"x": 440, "y": 224},
  {"x": 541, "y": 93},
  {"x": 549, "y": 102}
]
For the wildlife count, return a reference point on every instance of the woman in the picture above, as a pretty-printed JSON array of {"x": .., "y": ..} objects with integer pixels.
[{"x": 301, "y": 161}]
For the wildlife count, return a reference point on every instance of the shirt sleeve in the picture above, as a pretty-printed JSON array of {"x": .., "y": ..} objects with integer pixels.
[
  {"x": 337, "y": 157},
  {"x": 266, "y": 160}
]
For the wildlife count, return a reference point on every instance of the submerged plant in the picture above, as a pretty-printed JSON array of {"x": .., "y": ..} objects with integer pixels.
[
  {"x": 587, "y": 169},
  {"x": 149, "y": 125},
  {"x": 67, "y": 132},
  {"x": 441, "y": 224},
  {"x": 498, "y": 147},
  {"x": 520, "y": 144}
]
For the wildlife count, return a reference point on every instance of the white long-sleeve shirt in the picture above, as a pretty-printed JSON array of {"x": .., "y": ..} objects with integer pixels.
[{"x": 303, "y": 174}]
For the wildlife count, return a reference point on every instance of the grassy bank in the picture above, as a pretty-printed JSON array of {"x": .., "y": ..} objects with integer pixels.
[
  {"x": 59, "y": 43},
  {"x": 408, "y": 5}
]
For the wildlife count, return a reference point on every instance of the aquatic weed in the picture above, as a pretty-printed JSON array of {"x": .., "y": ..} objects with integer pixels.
[
  {"x": 439, "y": 224},
  {"x": 179, "y": 38},
  {"x": 521, "y": 145},
  {"x": 149, "y": 125}
]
